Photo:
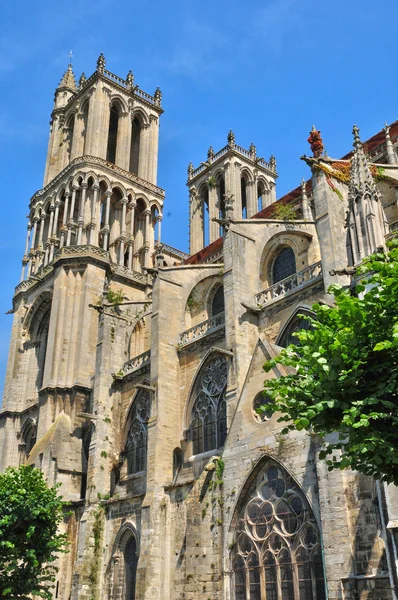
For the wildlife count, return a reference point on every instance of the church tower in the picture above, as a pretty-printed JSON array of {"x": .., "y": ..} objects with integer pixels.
[
  {"x": 93, "y": 223},
  {"x": 233, "y": 183}
]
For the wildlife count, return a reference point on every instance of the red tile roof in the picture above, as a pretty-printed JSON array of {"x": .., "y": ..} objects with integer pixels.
[{"x": 376, "y": 140}]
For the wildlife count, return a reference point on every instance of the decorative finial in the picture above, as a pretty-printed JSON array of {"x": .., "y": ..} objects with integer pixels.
[
  {"x": 252, "y": 149},
  {"x": 130, "y": 79},
  {"x": 82, "y": 80},
  {"x": 357, "y": 142},
  {"x": 272, "y": 162},
  {"x": 70, "y": 57},
  {"x": 210, "y": 153},
  {"x": 190, "y": 170},
  {"x": 231, "y": 138},
  {"x": 158, "y": 96},
  {"x": 391, "y": 153},
  {"x": 315, "y": 141},
  {"x": 101, "y": 62},
  {"x": 387, "y": 130}
]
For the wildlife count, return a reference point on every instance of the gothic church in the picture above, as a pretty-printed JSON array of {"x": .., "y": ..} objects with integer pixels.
[{"x": 135, "y": 370}]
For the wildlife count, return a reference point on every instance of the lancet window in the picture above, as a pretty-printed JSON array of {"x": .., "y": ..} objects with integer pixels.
[
  {"x": 284, "y": 264},
  {"x": 209, "y": 411},
  {"x": 217, "y": 303},
  {"x": 136, "y": 446},
  {"x": 112, "y": 134},
  {"x": 277, "y": 547},
  {"x": 296, "y": 323},
  {"x": 130, "y": 567}
]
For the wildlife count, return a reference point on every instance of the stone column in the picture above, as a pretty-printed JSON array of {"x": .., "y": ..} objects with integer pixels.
[
  {"x": 94, "y": 201},
  {"x": 54, "y": 229},
  {"x": 123, "y": 231},
  {"x": 25, "y": 258},
  {"x": 143, "y": 160},
  {"x": 154, "y": 149},
  {"x": 131, "y": 236},
  {"x": 72, "y": 210},
  {"x": 123, "y": 141},
  {"x": 32, "y": 247},
  {"x": 108, "y": 195},
  {"x": 160, "y": 219},
  {"x": 48, "y": 240},
  {"x": 251, "y": 198},
  {"x": 147, "y": 214},
  {"x": 214, "y": 228},
  {"x": 64, "y": 220},
  {"x": 78, "y": 139},
  {"x": 80, "y": 219}
]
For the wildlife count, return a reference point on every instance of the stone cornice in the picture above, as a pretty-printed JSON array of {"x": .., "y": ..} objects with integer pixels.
[{"x": 108, "y": 168}]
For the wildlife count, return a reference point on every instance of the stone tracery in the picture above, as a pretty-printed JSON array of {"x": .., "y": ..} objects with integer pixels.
[
  {"x": 277, "y": 546},
  {"x": 208, "y": 425}
]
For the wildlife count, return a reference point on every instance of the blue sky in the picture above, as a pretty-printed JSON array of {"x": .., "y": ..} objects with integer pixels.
[{"x": 267, "y": 69}]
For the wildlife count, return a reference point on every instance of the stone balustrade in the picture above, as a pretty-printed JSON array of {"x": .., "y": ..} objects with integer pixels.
[
  {"x": 203, "y": 329},
  {"x": 290, "y": 284},
  {"x": 134, "y": 364}
]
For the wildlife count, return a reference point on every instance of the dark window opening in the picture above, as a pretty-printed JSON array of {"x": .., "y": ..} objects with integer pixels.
[
  {"x": 130, "y": 567},
  {"x": 217, "y": 305},
  {"x": 135, "y": 146},
  {"x": 284, "y": 265},
  {"x": 244, "y": 197},
  {"x": 112, "y": 134},
  {"x": 136, "y": 447}
]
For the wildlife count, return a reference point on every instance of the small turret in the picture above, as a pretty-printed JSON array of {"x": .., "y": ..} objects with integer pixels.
[
  {"x": 101, "y": 62},
  {"x": 365, "y": 216},
  {"x": 66, "y": 88}
]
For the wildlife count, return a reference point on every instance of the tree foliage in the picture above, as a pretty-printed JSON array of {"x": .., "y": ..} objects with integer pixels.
[
  {"x": 344, "y": 373},
  {"x": 30, "y": 513}
]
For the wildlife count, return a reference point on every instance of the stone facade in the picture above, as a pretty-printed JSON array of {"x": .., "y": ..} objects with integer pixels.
[{"x": 134, "y": 369}]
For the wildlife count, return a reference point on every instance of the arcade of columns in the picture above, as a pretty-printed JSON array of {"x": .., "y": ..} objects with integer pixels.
[{"x": 123, "y": 226}]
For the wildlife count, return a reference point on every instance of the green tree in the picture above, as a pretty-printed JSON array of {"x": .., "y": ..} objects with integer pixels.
[
  {"x": 343, "y": 374},
  {"x": 30, "y": 513}
]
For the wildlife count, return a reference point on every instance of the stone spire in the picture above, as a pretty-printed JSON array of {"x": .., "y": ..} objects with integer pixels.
[
  {"x": 365, "y": 218},
  {"x": 190, "y": 170},
  {"x": 391, "y": 154},
  {"x": 82, "y": 81},
  {"x": 101, "y": 62},
  {"x": 68, "y": 80},
  {"x": 272, "y": 163},
  {"x": 231, "y": 138},
  {"x": 158, "y": 96},
  {"x": 210, "y": 153},
  {"x": 252, "y": 150}
]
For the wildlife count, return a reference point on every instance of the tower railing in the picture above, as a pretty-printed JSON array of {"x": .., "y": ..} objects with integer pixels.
[
  {"x": 203, "y": 329},
  {"x": 289, "y": 284},
  {"x": 239, "y": 150}
]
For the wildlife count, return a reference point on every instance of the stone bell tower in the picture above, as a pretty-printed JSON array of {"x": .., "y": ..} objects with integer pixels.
[
  {"x": 232, "y": 183},
  {"x": 91, "y": 228}
]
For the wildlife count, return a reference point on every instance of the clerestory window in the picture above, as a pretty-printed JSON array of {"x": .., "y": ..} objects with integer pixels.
[
  {"x": 209, "y": 411},
  {"x": 277, "y": 548},
  {"x": 136, "y": 446},
  {"x": 284, "y": 265}
]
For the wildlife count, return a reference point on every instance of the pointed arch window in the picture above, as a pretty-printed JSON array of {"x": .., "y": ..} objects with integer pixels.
[
  {"x": 284, "y": 264},
  {"x": 296, "y": 323},
  {"x": 217, "y": 303},
  {"x": 130, "y": 567},
  {"x": 136, "y": 446},
  {"x": 209, "y": 411},
  {"x": 277, "y": 548},
  {"x": 112, "y": 134}
]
